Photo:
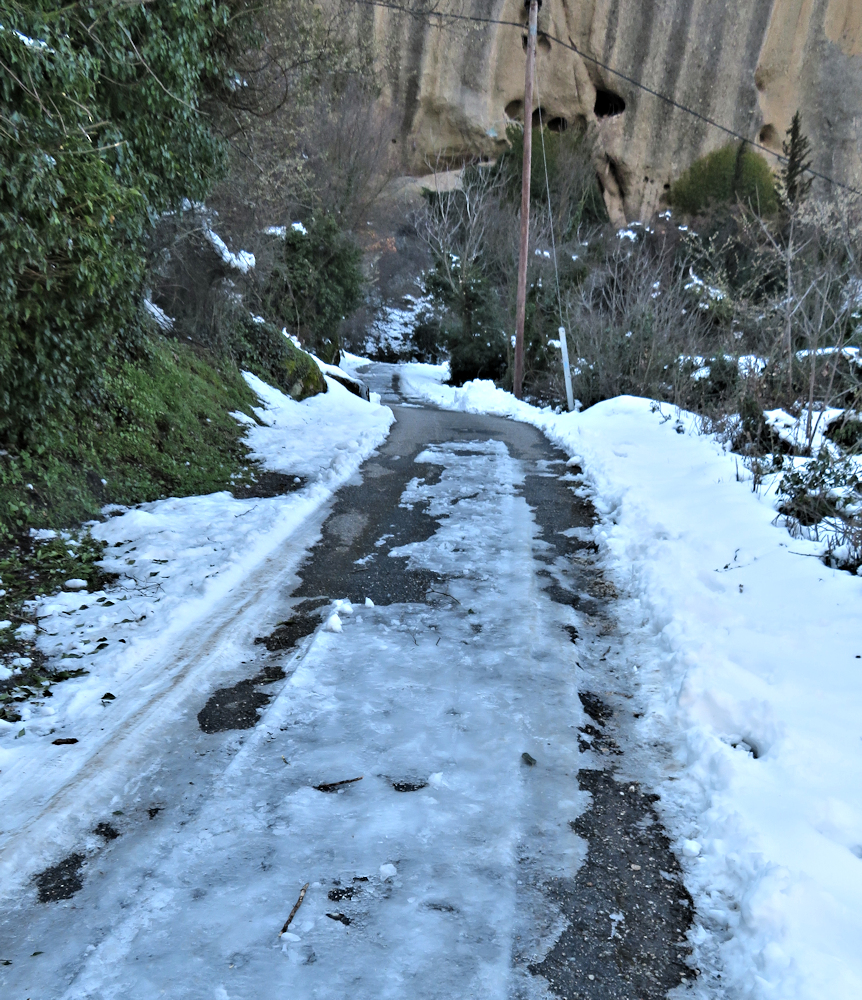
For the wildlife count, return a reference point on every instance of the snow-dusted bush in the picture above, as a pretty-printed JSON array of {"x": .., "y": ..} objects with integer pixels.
[{"x": 822, "y": 499}]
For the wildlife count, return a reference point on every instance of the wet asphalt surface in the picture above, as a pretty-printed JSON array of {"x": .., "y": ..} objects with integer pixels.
[{"x": 625, "y": 913}]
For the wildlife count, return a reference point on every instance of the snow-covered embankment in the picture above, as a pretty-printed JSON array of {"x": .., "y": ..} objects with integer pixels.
[
  {"x": 747, "y": 650},
  {"x": 195, "y": 575}
]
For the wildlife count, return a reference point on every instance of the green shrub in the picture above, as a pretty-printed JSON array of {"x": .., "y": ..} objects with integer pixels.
[
  {"x": 732, "y": 173},
  {"x": 316, "y": 283},
  {"x": 825, "y": 488},
  {"x": 576, "y": 197},
  {"x": 102, "y": 132},
  {"x": 471, "y": 327}
]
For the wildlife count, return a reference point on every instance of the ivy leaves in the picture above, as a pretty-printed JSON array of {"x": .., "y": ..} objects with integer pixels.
[{"x": 101, "y": 131}]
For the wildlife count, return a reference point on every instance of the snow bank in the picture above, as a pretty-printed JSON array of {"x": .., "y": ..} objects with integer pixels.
[
  {"x": 242, "y": 261},
  {"x": 747, "y": 650},
  {"x": 179, "y": 560},
  {"x": 172, "y": 552}
]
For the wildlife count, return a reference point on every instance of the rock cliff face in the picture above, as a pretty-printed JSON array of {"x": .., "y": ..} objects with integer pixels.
[{"x": 748, "y": 64}]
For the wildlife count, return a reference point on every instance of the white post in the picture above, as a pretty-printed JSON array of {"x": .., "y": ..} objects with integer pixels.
[{"x": 567, "y": 372}]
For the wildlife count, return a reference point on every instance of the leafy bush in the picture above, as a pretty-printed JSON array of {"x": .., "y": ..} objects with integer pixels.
[
  {"x": 825, "y": 488},
  {"x": 102, "y": 131},
  {"x": 471, "y": 330},
  {"x": 726, "y": 175},
  {"x": 822, "y": 499},
  {"x": 315, "y": 284},
  {"x": 575, "y": 193}
]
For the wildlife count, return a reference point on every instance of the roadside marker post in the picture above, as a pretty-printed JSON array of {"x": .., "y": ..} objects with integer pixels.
[{"x": 567, "y": 371}]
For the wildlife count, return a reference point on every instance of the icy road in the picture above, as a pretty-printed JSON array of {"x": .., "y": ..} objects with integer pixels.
[{"x": 426, "y": 722}]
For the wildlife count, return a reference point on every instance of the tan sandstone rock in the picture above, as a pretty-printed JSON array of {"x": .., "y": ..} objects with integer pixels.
[{"x": 747, "y": 64}]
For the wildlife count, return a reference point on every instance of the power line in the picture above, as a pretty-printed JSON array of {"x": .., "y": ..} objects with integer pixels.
[{"x": 609, "y": 69}]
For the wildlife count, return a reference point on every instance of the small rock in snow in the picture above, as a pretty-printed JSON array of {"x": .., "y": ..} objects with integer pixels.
[
  {"x": 369, "y": 603},
  {"x": 76, "y": 584},
  {"x": 690, "y": 848},
  {"x": 333, "y": 623},
  {"x": 388, "y": 871}
]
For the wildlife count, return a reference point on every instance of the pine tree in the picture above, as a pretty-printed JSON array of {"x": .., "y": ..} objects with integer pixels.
[{"x": 794, "y": 185}]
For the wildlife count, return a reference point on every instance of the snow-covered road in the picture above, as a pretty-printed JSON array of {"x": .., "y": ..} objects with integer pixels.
[
  {"x": 450, "y": 867},
  {"x": 556, "y": 661}
]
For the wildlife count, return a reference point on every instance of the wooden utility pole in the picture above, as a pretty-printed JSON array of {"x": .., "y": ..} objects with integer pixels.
[{"x": 521, "y": 303}]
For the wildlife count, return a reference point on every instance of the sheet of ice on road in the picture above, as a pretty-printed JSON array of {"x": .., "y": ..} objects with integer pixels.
[
  {"x": 412, "y": 892},
  {"x": 749, "y": 655}
]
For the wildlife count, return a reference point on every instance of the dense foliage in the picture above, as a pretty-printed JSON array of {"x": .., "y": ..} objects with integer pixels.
[
  {"x": 102, "y": 130},
  {"x": 472, "y": 233},
  {"x": 316, "y": 281}
]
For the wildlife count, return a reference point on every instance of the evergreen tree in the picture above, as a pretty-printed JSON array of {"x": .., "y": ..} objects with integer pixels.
[{"x": 794, "y": 185}]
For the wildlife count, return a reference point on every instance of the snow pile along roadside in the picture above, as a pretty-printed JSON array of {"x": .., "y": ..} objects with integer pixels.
[
  {"x": 175, "y": 560},
  {"x": 748, "y": 652}
]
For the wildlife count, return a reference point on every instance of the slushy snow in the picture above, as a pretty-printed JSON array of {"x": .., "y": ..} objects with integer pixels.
[{"x": 184, "y": 565}]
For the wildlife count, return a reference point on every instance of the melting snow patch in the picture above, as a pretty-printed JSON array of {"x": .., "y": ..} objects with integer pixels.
[
  {"x": 242, "y": 261},
  {"x": 163, "y": 321}
]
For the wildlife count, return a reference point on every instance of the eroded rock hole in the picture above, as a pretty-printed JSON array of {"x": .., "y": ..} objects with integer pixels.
[
  {"x": 515, "y": 110},
  {"x": 608, "y": 104},
  {"x": 554, "y": 123},
  {"x": 768, "y": 136}
]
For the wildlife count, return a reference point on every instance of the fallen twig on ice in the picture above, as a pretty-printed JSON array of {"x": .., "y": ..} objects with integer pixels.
[{"x": 296, "y": 906}]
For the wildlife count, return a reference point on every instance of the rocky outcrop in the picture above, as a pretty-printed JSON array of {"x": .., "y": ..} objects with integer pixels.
[{"x": 748, "y": 64}]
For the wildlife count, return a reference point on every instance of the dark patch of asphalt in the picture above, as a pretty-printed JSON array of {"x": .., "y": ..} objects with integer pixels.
[
  {"x": 61, "y": 881},
  {"x": 237, "y": 707},
  {"x": 626, "y": 908}
]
